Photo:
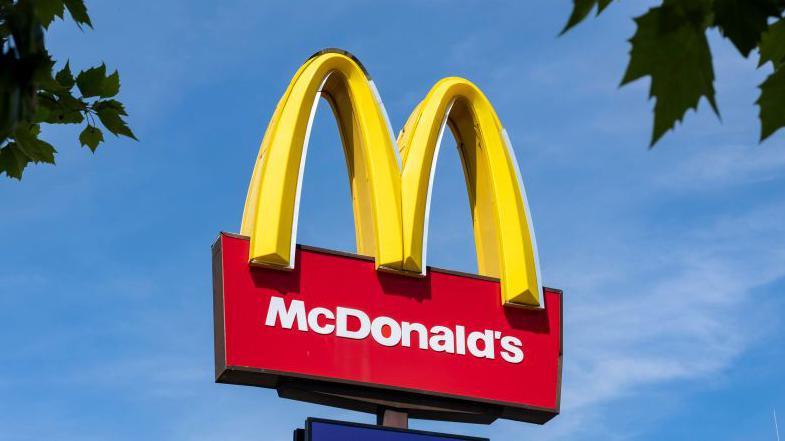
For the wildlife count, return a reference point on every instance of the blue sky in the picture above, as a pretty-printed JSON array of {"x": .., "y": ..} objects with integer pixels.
[{"x": 672, "y": 260}]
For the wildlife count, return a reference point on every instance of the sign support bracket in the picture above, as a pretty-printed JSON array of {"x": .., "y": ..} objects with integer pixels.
[{"x": 388, "y": 417}]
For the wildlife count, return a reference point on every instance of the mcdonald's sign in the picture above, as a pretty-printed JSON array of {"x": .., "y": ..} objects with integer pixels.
[{"x": 380, "y": 328}]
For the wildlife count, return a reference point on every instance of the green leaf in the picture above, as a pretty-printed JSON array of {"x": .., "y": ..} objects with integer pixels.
[
  {"x": 94, "y": 82},
  {"x": 581, "y": 9},
  {"x": 41, "y": 72},
  {"x": 113, "y": 121},
  {"x": 743, "y": 21},
  {"x": 772, "y": 103},
  {"x": 47, "y": 10},
  {"x": 772, "y": 44},
  {"x": 91, "y": 81},
  {"x": 28, "y": 143},
  {"x": 110, "y": 104},
  {"x": 670, "y": 46},
  {"x": 60, "y": 109},
  {"x": 11, "y": 96},
  {"x": 78, "y": 11},
  {"x": 65, "y": 77},
  {"x": 91, "y": 137},
  {"x": 111, "y": 85},
  {"x": 13, "y": 161}
]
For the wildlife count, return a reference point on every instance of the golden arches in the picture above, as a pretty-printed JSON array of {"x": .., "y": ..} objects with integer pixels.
[{"x": 391, "y": 201}]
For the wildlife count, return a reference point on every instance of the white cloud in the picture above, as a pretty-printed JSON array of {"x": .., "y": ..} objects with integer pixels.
[
  {"x": 726, "y": 165},
  {"x": 678, "y": 310}
]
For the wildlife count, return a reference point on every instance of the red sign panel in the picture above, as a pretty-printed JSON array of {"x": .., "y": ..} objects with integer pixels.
[{"x": 336, "y": 331}]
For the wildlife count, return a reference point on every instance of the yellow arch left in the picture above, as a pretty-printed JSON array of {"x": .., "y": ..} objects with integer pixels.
[{"x": 270, "y": 215}]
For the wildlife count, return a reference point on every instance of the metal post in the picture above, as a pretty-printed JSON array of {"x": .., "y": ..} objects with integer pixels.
[{"x": 392, "y": 418}]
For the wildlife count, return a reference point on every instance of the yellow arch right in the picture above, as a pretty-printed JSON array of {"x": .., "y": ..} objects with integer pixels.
[{"x": 503, "y": 234}]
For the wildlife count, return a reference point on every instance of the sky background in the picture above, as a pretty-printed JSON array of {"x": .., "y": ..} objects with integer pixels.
[{"x": 672, "y": 260}]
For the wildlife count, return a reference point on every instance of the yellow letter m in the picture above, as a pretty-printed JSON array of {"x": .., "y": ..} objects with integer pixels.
[{"x": 391, "y": 198}]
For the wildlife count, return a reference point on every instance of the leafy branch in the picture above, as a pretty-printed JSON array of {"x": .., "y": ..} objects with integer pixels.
[
  {"x": 31, "y": 94},
  {"x": 670, "y": 46}
]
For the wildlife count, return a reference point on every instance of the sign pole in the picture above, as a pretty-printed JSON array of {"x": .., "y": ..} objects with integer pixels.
[{"x": 388, "y": 417}]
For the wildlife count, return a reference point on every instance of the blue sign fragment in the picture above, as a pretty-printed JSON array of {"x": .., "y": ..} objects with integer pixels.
[{"x": 329, "y": 430}]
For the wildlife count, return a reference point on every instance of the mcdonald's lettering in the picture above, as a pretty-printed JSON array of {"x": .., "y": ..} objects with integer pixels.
[
  {"x": 390, "y": 332},
  {"x": 381, "y": 328}
]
